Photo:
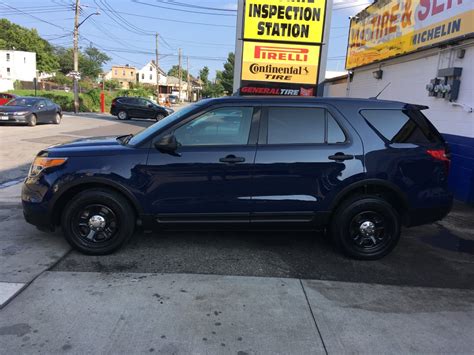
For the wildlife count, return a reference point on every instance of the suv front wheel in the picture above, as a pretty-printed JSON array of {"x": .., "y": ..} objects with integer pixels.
[
  {"x": 98, "y": 221},
  {"x": 366, "y": 227}
]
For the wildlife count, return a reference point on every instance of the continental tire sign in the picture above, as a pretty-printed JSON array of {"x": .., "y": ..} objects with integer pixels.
[
  {"x": 282, "y": 42},
  {"x": 280, "y": 63},
  {"x": 285, "y": 20}
]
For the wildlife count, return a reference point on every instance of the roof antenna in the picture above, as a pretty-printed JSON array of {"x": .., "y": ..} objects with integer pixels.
[{"x": 380, "y": 93}]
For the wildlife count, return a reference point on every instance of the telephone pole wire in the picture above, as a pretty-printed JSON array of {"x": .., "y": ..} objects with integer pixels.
[{"x": 188, "y": 91}]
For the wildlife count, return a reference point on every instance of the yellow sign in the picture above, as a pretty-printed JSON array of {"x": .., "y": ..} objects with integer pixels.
[
  {"x": 391, "y": 28},
  {"x": 285, "y": 20},
  {"x": 280, "y": 63}
]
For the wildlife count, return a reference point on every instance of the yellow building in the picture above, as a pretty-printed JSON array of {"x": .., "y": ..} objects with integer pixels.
[{"x": 124, "y": 74}]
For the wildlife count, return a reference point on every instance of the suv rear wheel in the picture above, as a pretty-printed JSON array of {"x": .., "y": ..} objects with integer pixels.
[
  {"x": 98, "y": 221},
  {"x": 122, "y": 115},
  {"x": 366, "y": 227}
]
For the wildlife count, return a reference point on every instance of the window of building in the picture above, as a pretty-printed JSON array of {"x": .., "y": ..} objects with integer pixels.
[
  {"x": 8, "y": 71},
  {"x": 24, "y": 60},
  {"x": 115, "y": 71},
  {"x": 143, "y": 76},
  {"x": 223, "y": 126},
  {"x": 151, "y": 68},
  {"x": 123, "y": 72},
  {"x": 8, "y": 57},
  {"x": 401, "y": 126},
  {"x": 303, "y": 126},
  {"x": 151, "y": 76}
]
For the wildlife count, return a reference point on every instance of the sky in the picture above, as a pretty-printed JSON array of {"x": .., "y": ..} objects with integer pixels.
[{"x": 125, "y": 29}]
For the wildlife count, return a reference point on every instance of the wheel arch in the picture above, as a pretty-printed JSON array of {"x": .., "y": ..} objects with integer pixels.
[
  {"x": 73, "y": 189},
  {"x": 386, "y": 189}
]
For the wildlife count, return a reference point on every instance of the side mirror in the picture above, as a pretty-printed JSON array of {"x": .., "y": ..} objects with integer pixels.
[{"x": 167, "y": 144}]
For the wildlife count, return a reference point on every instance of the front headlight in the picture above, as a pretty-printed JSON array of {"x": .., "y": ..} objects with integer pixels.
[
  {"x": 41, "y": 163},
  {"x": 21, "y": 113}
]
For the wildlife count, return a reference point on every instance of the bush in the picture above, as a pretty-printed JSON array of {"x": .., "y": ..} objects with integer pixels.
[{"x": 88, "y": 102}]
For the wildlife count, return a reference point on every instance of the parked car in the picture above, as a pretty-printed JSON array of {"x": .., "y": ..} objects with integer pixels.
[
  {"x": 125, "y": 108},
  {"x": 30, "y": 111},
  {"x": 4, "y": 98},
  {"x": 360, "y": 168},
  {"x": 173, "y": 99}
]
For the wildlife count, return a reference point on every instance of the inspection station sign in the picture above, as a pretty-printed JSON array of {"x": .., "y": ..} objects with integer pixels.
[
  {"x": 282, "y": 42},
  {"x": 390, "y": 28},
  {"x": 285, "y": 20}
]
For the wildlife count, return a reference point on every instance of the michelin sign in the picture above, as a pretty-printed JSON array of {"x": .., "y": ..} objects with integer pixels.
[{"x": 281, "y": 46}]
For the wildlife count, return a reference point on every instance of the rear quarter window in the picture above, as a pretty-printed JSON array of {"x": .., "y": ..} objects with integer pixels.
[{"x": 401, "y": 126}]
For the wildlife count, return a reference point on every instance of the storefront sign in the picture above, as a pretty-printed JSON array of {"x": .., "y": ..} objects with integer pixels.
[
  {"x": 280, "y": 63},
  {"x": 395, "y": 27},
  {"x": 285, "y": 20},
  {"x": 276, "y": 91}
]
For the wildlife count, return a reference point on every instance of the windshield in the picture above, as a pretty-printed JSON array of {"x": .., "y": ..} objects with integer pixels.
[
  {"x": 152, "y": 130},
  {"x": 23, "y": 101}
]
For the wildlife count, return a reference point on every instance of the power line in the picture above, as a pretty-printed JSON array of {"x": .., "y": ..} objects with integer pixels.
[
  {"x": 35, "y": 17},
  {"x": 181, "y": 10}
]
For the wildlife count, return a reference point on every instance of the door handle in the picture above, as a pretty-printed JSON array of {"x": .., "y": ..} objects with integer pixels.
[
  {"x": 232, "y": 159},
  {"x": 340, "y": 157}
]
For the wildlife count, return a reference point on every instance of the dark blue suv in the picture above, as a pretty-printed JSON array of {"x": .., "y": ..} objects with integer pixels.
[{"x": 359, "y": 168}]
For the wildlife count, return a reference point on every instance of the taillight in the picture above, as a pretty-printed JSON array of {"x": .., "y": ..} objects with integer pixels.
[{"x": 440, "y": 154}]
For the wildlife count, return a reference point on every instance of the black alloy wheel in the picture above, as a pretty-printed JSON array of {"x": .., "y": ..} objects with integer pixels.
[
  {"x": 366, "y": 227},
  {"x": 98, "y": 221}
]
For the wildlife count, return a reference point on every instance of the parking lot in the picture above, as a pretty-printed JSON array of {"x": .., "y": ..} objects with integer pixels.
[{"x": 429, "y": 259}]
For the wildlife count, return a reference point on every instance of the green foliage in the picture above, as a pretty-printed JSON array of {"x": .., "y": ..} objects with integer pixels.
[
  {"x": 90, "y": 61},
  {"x": 113, "y": 84},
  {"x": 137, "y": 90},
  {"x": 174, "y": 71},
  {"x": 88, "y": 102},
  {"x": 61, "y": 79},
  {"x": 23, "y": 39},
  {"x": 226, "y": 77}
]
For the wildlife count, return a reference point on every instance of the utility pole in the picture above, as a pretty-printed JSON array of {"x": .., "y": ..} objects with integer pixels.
[
  {"x": 157, "y": 72},
  {"x": 180, "y": 74},
  {"x": 188, "y": 78},
  {"x": 76, "y": 57}
]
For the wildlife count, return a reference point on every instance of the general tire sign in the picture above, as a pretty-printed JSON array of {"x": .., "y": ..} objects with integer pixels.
[{"x": 282, "y": 45}]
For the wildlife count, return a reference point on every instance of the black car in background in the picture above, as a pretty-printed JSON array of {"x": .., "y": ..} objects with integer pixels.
[
  {"x": 30, "y": 111},
  {"x": 125, "y": 108}
]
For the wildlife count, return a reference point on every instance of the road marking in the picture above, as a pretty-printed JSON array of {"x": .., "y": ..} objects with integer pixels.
[
  {"x": 8, "y": 290},
  {"x": 11, "y": 183}
]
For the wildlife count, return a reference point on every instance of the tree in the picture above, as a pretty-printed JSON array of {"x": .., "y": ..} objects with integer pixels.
[
  {"x": 20, "y": 38},
  {"x": 174, "y": 71},
  {"x": 227, "y": 75},
  {"x": 204, "y": 75},
  {"x": 90, "y": 61}
]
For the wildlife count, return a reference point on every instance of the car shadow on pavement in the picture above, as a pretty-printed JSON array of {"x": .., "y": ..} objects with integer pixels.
[{"x": 305, "y": 255}]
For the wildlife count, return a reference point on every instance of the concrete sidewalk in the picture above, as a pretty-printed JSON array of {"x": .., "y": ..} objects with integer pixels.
[
  {"x": 25, "y": 252},
  {"x": 199, "y": 314}
]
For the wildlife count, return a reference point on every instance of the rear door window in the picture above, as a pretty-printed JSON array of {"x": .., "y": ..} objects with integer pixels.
[
  {"x": 400, "y": 126},
  {"x": 301, "y": 125}
]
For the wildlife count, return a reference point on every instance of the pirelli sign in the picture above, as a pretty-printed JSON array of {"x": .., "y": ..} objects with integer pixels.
[
  {"x": 282, "y": 42},
  {"x": 280, "y": 63}
]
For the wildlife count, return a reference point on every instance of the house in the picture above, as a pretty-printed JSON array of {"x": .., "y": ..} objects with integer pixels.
[
  {"x": 17, "y": 65},
  {"x": 147, "y": 75},
  {"x": 124, "y": 74}
]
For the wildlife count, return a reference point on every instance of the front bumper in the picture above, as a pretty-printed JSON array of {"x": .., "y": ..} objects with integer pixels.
[
  {"x": 36, "y": 209},
  {"x": 13, "y": 119}
]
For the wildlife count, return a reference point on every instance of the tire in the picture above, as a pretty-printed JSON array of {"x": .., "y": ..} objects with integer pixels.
[
  {"x": 122, "y": 115},
  {"x": 32, "y": 121},
  {"x": 57, "y": 119},
  {"x": 98, "y": 221},
  {"x": 366, "y": 228},
  {"x": 159, "y": 117}
]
